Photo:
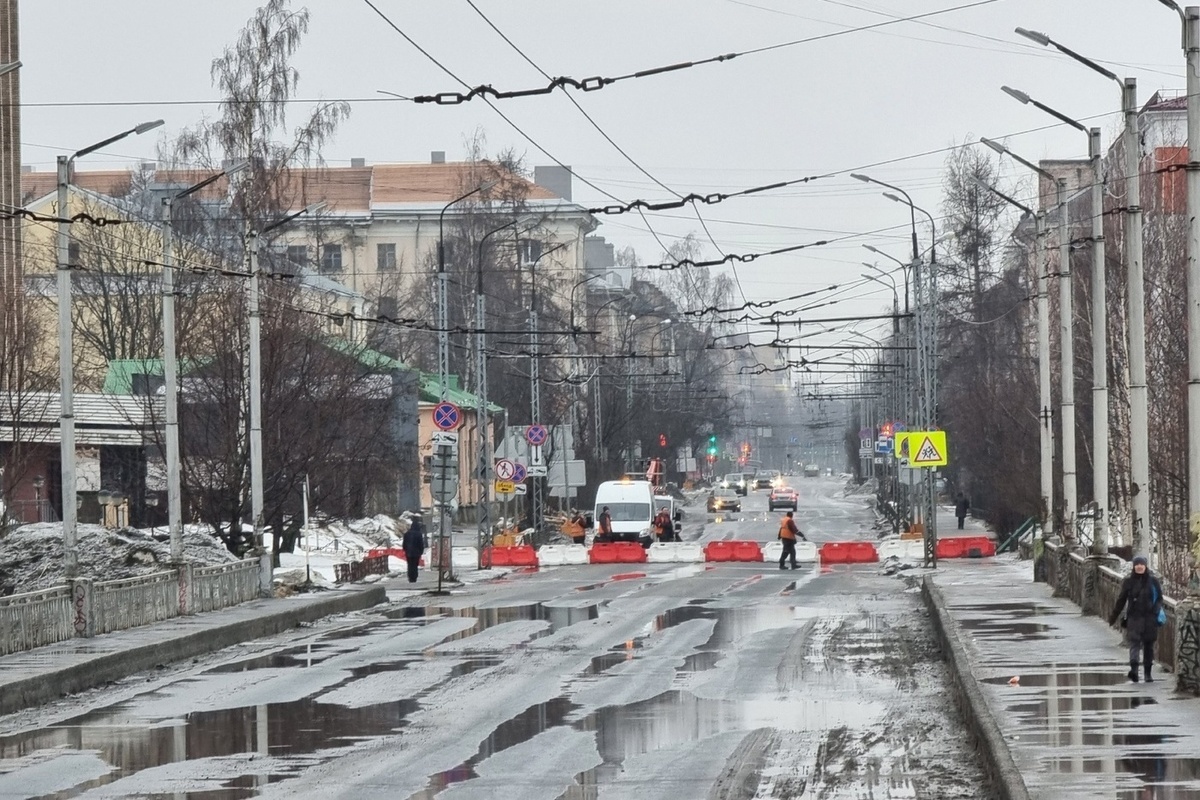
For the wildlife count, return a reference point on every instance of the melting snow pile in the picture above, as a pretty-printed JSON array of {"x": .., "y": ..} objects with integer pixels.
[
  {"x": 338, "y": 542},
  {"x": 31, "y": 557}
]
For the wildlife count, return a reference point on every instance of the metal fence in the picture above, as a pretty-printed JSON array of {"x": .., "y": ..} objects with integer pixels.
[
  {"x": 227, "y": 585},
  {"x": 131, "y": 602},
  {"x": 357, "y": 570},
  {"x": 34, "y": 619}
]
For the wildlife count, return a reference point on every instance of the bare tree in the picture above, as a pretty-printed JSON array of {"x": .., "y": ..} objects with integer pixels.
[{"x": 987, "y": 376}]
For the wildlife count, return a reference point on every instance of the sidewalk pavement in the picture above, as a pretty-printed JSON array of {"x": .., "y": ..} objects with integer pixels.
[
  {"x": 38, "y": 676},
  {"x": 1074, "y": 724},
  {"x": 947, "y": 524}
]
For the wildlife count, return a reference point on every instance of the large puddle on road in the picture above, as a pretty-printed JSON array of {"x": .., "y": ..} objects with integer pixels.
[
  {"x": 671, "y": 719},
  {"x": 131, "y": 743}
]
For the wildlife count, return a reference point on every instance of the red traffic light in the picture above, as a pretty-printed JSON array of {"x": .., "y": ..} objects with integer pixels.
[{"x": 662, "y": 440}]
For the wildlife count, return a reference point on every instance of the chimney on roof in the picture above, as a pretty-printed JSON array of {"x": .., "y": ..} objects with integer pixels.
[
  {"x": 555, "y": 179},
  {"x": 358, "y": 163},
  {"x": 437, "y": 157},
  {"x": 27, "y": 168}
]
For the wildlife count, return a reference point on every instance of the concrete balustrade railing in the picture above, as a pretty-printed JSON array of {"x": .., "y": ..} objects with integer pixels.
[
  {"x": 86, "y": 607},
  {"x": 34, "y": 619},
  {"x": 227, "y": 585},
  {"x": 1094, "y": 587},
  {"x": 133, "y": 602}
]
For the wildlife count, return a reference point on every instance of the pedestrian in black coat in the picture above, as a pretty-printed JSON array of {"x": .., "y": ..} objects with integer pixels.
[
  {"x": 1140, "y": 601},
  {"x": 961, "y": 507},
  {"x": 414, "y": 546}
]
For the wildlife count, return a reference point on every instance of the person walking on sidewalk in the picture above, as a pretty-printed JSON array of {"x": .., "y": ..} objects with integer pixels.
[
  {"x": 788, "y": 532},
  {"x": 414, "y": 546},
  {"x": 961, "y": 506},
  {"x": 1140, "y": 604}
]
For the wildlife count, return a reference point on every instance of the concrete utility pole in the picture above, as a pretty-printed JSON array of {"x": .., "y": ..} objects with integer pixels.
[
  {"x": 1099, "y": 353},
  {"x": 1139, "y": 427},
  {"x": 1066, "y": 320},
  {"x": 171, "y": 362},
  {"x": 1099, "y": 290},
  {"x": 443, "y": 325},
  {"x": 1139, "y": 400},
  {"x": 483, "y": 466},
  {"x": 925, "y": 289},
  {"x": 254, "y": 388},
  {"x": 1068, "y": 356},
  {"x": 66, "y": 353},
  {"x": 1045, "y": 414},
  {"x": 535, "y": 386}
]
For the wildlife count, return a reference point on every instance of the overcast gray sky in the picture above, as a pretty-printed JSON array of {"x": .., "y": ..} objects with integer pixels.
[{"x": 896, "y": 96}]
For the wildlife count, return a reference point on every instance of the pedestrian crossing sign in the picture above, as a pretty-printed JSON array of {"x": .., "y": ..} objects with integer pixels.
[{"x": 928, "y": 449}]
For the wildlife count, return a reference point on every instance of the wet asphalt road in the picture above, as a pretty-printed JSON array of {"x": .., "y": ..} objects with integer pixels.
[{"x": 674, "y": 681}]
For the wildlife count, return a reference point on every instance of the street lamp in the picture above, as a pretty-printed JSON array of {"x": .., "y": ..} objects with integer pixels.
[
  {"x": 446, "y": 452},
  {"x": 70, "y": 516},
  {"x": 170, "y": 361},
  {"x": 1139, "y": 408},
  {"x": 535, "y": 383},
  {"x": 1099, "y": 289},
  {"x": 925, "y": 289},
  {"x": 1066, "y": 316},
  {"x": 255, "y": 389},
  {"x": 1045, "y": 425},
  {"x": 916, "y": 252},
  {"x": 443, "y": 323},
  {"x": 483, "y": 451},
  {"x": 10, "y": 67}
]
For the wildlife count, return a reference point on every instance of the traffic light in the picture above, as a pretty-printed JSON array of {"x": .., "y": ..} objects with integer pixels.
[
  {"x": 662, "y": 440},
  {"x": 712, "y": 445}
]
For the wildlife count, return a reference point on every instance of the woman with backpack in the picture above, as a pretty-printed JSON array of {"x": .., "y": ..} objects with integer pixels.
[{"x": 1140, "y": 605}]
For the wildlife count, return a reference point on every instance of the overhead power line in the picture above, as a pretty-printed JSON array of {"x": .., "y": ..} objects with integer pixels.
[{"x": 597, "y": 82}]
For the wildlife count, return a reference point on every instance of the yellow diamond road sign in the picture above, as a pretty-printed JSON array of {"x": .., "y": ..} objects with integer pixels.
[{"x": 927, "y": 449}]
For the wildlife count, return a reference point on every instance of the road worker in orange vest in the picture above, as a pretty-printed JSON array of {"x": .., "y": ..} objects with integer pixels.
[{"x": 788, "y": 533}]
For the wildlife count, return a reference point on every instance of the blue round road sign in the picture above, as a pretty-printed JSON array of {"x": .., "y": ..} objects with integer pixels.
[
  {"x": 536, "y": 435},
  {"x": 519, "y": 472},
  {"x": 446, "y": 416}
]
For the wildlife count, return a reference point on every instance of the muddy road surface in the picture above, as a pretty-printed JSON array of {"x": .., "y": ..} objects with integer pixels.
[{"x": 672, "y": 681}]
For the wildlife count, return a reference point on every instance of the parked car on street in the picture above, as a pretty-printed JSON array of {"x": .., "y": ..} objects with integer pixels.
[
  {"x": 783, "y": 497},
  {"x": 724, "y": 500}
]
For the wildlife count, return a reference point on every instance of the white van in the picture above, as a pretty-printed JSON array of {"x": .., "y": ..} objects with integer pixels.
[{"x": 631, "y": 506}]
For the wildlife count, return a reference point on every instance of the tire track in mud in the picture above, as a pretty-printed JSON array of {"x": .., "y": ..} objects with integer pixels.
[{"x": 914, "y": 748}]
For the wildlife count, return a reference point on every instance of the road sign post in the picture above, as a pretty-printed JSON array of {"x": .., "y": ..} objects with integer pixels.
[{"x": 446, "y": 417}]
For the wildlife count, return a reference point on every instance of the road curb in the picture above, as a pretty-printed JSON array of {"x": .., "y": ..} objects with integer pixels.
[
  {"x": 997, "y": 757},
  {"x": 105, "y": 667}
]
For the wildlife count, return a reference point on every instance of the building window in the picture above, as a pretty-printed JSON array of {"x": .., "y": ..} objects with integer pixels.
[
  {"x": 73, "y": 255},
  {"x": 385, "y": 257},
  {"x": 531, "y": 250},
  {"x": 331, "y": 258},
  {"x": 145, "y": 385},
  {"x": 297, "y": 254},
  {"x": 387, "y": 306}
]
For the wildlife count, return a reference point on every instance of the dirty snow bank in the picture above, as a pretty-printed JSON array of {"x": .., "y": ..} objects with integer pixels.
[{"x": 31, "y": 557}]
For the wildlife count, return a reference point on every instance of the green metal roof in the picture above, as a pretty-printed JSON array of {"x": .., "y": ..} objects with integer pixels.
[{"x": 119, "y": 379}]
